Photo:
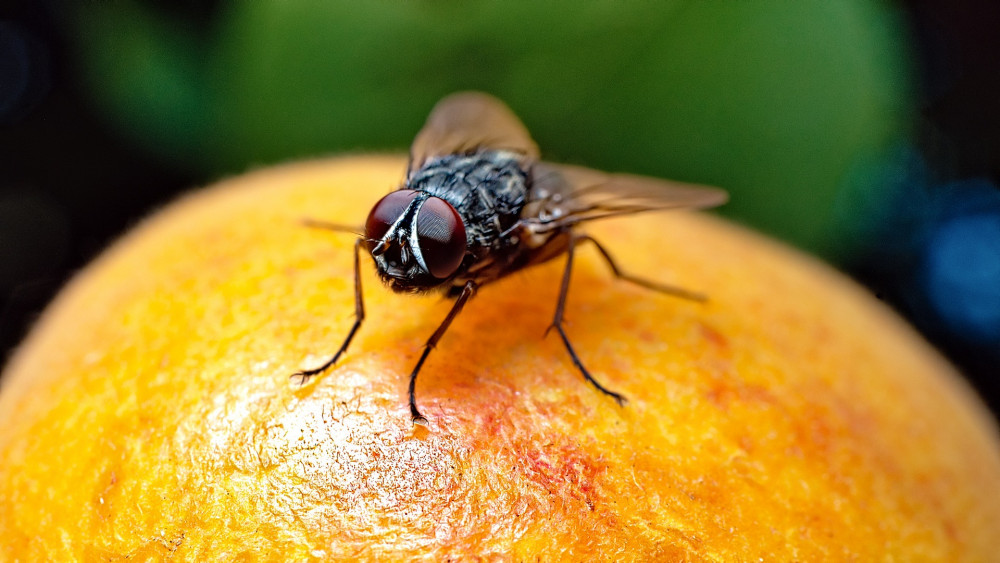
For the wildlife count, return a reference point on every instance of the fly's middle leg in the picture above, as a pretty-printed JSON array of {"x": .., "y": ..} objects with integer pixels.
[{"x": 557, "y": 321}]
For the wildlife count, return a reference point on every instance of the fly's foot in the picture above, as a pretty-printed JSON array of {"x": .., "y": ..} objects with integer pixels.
[
  {"x": 619, "y": 398},
  {"x": 303, "y": 377}
]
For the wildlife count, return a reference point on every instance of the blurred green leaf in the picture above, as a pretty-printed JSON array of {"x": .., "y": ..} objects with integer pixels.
[{"x": 772, "y": 100}]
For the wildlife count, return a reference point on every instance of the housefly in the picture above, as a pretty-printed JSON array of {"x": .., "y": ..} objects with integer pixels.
[{"x": 477, "y": 204}]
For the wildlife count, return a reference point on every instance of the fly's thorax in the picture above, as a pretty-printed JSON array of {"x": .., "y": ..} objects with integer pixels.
[{"x": 487, "y": 188}]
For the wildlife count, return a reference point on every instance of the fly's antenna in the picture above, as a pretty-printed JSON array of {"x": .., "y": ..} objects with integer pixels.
[{"x": 336, "y": 227}]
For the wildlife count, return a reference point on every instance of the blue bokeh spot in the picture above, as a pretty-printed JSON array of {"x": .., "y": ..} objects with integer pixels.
[{"x": 962, "y": 275}]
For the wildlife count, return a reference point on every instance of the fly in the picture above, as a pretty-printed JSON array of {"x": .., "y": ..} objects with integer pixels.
[{"x": 478, "y": 204}]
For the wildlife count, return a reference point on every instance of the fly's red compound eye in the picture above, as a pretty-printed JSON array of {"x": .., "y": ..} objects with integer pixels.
[
  {"x": 386, "y": 212},
  {"x": 441, "y": 234}
]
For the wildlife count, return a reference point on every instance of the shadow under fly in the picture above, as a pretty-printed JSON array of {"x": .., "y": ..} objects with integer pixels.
[{"x": 478, "y": 204}]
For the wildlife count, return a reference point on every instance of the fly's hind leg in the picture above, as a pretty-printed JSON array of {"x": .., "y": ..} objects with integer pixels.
[
  {"x": 648, "y": 284},
  {"x": 557, "y": 321},
  {"x": 359, "y": 316}
]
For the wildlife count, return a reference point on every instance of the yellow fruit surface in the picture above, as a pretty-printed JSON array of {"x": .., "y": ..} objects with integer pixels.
[{"x": 150, "y": 414}]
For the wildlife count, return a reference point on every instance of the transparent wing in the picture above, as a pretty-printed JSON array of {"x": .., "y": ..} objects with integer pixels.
[
  {"x": 466, "y": 121},
  {"x": 564, "y": 195}
]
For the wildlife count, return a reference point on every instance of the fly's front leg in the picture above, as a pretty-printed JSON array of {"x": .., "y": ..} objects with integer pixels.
[
  {"x": 467, "y": 292},
  {"x": 557, "y": 323},
  {"x": 359, "y": 315}
]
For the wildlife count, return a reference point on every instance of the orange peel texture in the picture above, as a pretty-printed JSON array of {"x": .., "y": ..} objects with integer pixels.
[{"x": 150, "y": 413}]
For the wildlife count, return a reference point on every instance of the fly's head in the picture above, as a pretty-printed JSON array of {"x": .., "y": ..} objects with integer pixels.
[{"x": 418, "y": 241}]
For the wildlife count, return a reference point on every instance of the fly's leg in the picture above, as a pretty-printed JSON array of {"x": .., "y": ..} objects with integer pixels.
[
  {"x": 662, "y": 288},
  {"x": 467, "y": 292},
  {"x": 557, "y": 323},
  {"x": 359, "y": 315}
]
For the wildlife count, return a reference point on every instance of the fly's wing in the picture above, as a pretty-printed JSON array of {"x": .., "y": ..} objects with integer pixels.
[
  {"x": 564, "y": 195},
  {"x": 466, "y": 121}
]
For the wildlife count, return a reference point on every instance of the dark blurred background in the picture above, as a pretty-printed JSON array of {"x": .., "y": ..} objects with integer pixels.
[{"x": 865, "y": 132}]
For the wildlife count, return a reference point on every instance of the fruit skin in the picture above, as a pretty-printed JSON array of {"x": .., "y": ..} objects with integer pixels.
[{"x": 792, "y": 417}]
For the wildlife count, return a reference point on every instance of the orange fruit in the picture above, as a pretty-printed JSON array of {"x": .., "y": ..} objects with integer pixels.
[{"x": 150, "y": 413}]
